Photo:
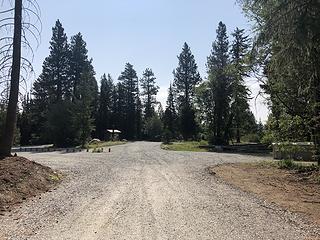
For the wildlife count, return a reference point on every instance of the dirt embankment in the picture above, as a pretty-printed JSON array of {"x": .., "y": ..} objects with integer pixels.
[
  {"x": 21, "y": 179},
  {"x": 297, "y": 192}
]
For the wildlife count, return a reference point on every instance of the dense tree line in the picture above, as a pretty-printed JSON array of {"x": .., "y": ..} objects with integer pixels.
[
  {"x": 286, "y": 54},
  {"x": 67, "y": 108}
]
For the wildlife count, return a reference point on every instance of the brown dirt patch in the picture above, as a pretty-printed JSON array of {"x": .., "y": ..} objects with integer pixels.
[
  {"x": 21, "y": 179},
  {"x": 297, "y": 192}
]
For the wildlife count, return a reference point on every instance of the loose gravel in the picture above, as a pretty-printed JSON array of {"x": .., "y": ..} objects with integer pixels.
[{"x": 139, "y": 191}]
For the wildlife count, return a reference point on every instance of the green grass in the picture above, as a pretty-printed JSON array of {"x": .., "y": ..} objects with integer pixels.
[
  {"x": 105, "y": 144},
  {"x": 55, "y": 178},
  {"x": 191, "y": 146},
  {"x": 300, "y": 167}
]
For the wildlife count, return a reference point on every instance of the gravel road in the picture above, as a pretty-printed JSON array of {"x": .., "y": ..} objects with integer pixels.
[{"x": 139, "y": 191}]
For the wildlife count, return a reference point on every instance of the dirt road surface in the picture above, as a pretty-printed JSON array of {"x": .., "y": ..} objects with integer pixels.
[{"x": 139, "y": 191}]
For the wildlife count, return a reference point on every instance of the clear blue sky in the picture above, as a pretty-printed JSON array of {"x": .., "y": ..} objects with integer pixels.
[{"x": 143, "y": 32}]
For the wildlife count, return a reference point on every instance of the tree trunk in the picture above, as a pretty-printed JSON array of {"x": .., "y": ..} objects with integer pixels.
[{"x": 11, "y": 117}]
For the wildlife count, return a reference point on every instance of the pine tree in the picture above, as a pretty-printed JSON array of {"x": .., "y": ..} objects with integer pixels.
[
  {"x": 25, "y": 122},
  {"x": 129, "y": 81},
  {"x": 81, "y": 70},
  {"x": 139, "y": 118},
  {"x": 186, "y": 77},
  {"x": 239, "y": 70},
  {"x": 287, "y": 47},
  {"x": 105, "y": 112},
  {"x": 149, "y": 92},
  {"x": 84, "y": 104},
  {"x": 119, "y": 108},
  {"x": 53, "y": 84},
  {"x": 220, "y": 87},
  {"x": 79, "y": 61},
  {"x": 170, "y": 115}
]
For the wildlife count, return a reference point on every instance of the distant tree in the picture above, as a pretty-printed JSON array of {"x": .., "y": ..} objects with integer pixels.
[
  {"x": 105, "y": 112},
  {"x": 160, "y": 111},
  {"x": 186, "y": 77},
  {"x": 129, "y": 82},
  {"x": 170, "y": 115},
  {"x": 25, "y": 122},
  {"x": 153, "y": 128},
  {"x": 149, "y": 92},
  {"x": 119, "y": 108},
  {"x": 220, "y": 87},
  {"x": 239, "y": 71},
  {"x": 139, "y": 117}
]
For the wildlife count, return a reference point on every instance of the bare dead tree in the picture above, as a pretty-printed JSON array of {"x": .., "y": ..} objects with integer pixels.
[{"x": 18, "y": 31}]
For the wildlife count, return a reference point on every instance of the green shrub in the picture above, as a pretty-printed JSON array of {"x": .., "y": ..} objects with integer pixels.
[
  {"x": 291, "y": 165},
  {"x": 287, "y": 164},
  {"x": 167, "y": 136},
  {"x": 251, "y": 138}
]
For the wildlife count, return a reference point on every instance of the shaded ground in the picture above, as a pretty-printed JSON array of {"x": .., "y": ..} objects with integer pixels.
[
  {"x": 139, "y": 191},
  {"x": 21, "y": 179},
  {"x": 297, "y": 192}
]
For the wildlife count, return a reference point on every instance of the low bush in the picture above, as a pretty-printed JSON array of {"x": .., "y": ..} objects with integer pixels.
[
  {"x": 251, "y": 138},
  {"x": 291, "y": 165},
  {"x": 287, "y": 164}
]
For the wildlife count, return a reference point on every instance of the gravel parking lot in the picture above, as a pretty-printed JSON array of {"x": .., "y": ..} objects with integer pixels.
[{"x": 139, "y": 191}]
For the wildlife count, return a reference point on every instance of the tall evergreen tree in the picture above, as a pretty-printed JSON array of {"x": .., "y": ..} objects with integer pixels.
[
  {"x": 105, "y": 112},
  {"x": 53, "y": 84},
  {"x": 149, "y": 92},
  {"x": 186, "y": 77},
  {"x": 129, "y": 81},
  {"x": 81, "y": 70},
  {"x": 220, "y": 87},
  {"x": 239, "y": 70},
  {"x": 79, "y": 61}
]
